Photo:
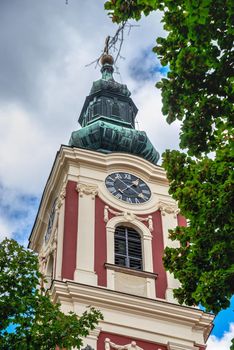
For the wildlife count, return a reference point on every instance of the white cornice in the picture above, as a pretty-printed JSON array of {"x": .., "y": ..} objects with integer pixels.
[
  {"x": 154, "y": 308},
  {"x": 110, "y": 160}
]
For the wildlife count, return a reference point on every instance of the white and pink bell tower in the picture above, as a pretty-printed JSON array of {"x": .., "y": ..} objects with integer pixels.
[{"x": 102, "y": 227}]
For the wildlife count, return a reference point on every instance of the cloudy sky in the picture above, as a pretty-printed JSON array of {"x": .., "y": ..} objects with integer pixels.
[{"x": 45, "y": 47}]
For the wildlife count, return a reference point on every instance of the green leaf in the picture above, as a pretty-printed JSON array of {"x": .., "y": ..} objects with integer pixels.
[{"x": 39, "y": 324}]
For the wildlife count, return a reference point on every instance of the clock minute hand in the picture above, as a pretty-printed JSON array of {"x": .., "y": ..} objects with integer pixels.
[
  {"x": 122, "y": 191},
  {"x": 136, "y": 182},
  {"x": 124, "y": 188},
  {"x": 127, "y": 187}
]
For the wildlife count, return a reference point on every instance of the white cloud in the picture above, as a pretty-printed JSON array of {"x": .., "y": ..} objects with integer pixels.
[
  {"x": 223, "y": 343},
  {"x": 5, "y": 229},
  {"x": 150, "y": 118},
  {"x": 27, "y": 152}
]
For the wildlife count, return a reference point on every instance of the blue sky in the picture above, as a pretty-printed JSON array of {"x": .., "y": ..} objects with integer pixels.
[
  {"x": 223, "y": 319},
  {"x": 18, "y": 210},
  {"x": 46, "y": 46},
  {"x": 147, "y": 67}
]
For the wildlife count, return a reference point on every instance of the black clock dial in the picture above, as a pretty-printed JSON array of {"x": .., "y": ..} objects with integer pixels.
[
  {"x": 128, "y": 188},
  {"x": 50, "y": 222}
]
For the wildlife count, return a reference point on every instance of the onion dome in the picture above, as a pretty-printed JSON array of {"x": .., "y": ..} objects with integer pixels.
[{"x": 108, "y": 119}]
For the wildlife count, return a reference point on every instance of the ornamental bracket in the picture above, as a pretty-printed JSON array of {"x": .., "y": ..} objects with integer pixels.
[
  {"x": 128, "y": 216},
  {"x": 87, "y": 189},
  {"x": 61, "y": 197},
  {"x": 168, "y": 208}
]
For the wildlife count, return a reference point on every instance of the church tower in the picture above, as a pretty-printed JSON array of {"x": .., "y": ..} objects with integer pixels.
[{"x": 102, "y": 227}]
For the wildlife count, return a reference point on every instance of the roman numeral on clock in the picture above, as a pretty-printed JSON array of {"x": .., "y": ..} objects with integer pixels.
[{"x": 128, "y": 188}]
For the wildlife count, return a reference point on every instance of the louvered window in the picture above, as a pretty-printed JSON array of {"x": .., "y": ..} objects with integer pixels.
[
  {"x": 115, "y": 109},
  {"x": 128, "y": 248}
]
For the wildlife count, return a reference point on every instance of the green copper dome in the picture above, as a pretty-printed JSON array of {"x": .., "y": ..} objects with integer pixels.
[{"x": 108, "y": 119}]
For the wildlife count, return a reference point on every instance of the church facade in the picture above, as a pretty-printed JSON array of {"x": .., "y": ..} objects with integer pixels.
[{"x": 102, "y": 227}]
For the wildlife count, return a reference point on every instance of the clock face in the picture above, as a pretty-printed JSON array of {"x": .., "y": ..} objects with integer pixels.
[
  {"x": 128, "y": 188},
  {"x": 50, "y": 222}
]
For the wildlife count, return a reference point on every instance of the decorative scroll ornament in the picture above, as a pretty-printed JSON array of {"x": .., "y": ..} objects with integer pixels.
[
  {"x": 61, "y": 197},
  {"x": 48, "y": 250},
  {"x": 131, "y": 346},
  {"x": 128, "y": 216},
  {"x": 169, "y": 208},
  {"x": 87, "y": 189}
]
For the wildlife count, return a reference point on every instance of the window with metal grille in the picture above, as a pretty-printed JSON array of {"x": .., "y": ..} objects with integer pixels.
[{"x": 128, "y": 248}]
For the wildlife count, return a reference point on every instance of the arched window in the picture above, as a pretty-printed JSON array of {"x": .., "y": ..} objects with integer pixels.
[{"x": 128, "y": 250}]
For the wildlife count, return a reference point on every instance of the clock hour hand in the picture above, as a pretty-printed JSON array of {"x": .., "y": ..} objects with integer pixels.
[
  {"x": 134, "y": 183},
  {"x": 122, "y": 190}
]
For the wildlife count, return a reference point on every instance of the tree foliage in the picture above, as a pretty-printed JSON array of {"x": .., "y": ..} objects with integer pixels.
[
  {"x": 28, "y": 318},
  {"x": 199, "y": 92}
]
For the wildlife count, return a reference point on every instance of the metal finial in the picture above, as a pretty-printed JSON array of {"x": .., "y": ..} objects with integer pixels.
[
  {"x": 106, "y": 47},
  {"x": 106, "y": 57}
]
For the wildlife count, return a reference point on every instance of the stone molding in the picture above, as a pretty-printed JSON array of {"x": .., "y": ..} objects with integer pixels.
[
  {"x": 87, "y": 189},
  {"x": 168, "y": 208},
  {"x": 139, "y": 273},
  {"x": 132, "y": 346},
  {"x": 175, "y": 346},
  {"x": 128, "y": 216},
  {"x": 71, "y": 291},
  {"x": 164, "y": 207},
  {"x": 95, "y": 332}
]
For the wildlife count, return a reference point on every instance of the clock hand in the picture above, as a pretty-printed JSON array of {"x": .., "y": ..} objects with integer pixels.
[
  {"x": 124, "y": 188},
  {"x": 141, "y": 195},
  {"x": 133, "y": 190},
  {"x": 134, "y": 183}
]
